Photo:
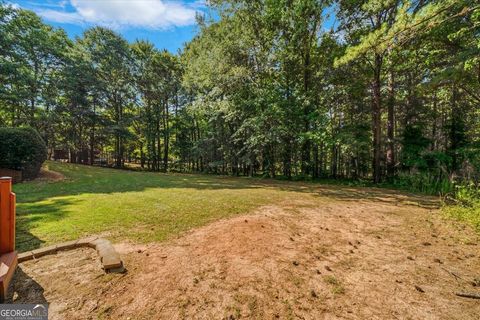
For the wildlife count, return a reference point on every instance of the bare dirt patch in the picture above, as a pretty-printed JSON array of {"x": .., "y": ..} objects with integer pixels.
[
  {"x": 341, "y": 254},
  {"x": 49, "y": 176}
]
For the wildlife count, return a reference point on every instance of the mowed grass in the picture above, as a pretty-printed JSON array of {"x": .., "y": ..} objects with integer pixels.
[{"x": 128, "y": 205}]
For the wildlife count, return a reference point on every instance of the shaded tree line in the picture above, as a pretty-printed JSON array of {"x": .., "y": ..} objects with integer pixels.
[
  {"x": 89, "y": 97},
  {"x": 359, "y": 89}
]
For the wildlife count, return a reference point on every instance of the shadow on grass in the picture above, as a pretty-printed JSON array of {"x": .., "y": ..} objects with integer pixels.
[
  {"x": 83, "y": 179},
  {"x": 29, "y": 215},
  {"x": 94, "y": 180},
  {"x": 380, "y": 195}
]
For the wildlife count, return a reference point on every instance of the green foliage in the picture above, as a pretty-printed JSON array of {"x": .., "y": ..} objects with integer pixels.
[
  {"x": 157, "y": 77},
  {"x": 32, "y": 52},
  {"x": 468, "y": 195},
  {"x": 464, "y": 204},
  {"x": 414, "y": 145},
  {"x": 391, "y": 89},
  {"x": 22, "y": 149},
  {"x": 424, "y": 182}
]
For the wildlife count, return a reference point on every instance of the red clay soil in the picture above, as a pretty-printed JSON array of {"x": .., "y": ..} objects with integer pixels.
[{"x": 344, "y": 254}]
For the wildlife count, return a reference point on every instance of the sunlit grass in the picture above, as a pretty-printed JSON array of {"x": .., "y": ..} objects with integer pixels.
[
  {"x": 470, "y": 215},
  {"x": 126, "y": 205}
]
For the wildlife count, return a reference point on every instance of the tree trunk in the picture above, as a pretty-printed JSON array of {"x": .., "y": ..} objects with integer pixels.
[
  {"x": 92, "y": 137},
  {"x": 334, "y": 165},
  {"x": 271, "y": 161},
  {"x": 457, "y": 129},
  {"x": 391, "y": 127},
  {"x": 287, "y": 159},
  {"x": 306, "y": 146},
  {"x": 165, "y": 137},
  {"x": 142, "y": 156},
  {"x": 433, "y": 147},
  {"x": 376, "y": 118},
  {"x": 159, "y": 146}
]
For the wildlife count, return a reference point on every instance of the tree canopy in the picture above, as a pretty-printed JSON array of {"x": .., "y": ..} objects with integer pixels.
[{"x": 272, "y": 88}]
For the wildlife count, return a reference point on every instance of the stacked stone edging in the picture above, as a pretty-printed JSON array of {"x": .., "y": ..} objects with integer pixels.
[{"x": 109, "y": 258}]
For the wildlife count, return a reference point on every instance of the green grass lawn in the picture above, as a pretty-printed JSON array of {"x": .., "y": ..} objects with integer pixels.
[{"x": 138, "y": 206}]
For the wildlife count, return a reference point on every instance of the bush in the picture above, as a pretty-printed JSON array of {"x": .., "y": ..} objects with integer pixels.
[
  {"x": 424, "y": 182},
  {"x": 22, "y": 149}
]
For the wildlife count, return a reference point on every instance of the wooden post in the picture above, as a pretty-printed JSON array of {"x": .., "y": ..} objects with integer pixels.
[
  {"x": 7, "y": 216},
  {"x": 8, "y": 256}
]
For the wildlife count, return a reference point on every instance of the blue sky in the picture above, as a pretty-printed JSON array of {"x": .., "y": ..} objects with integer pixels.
[{"x": 167, "y": 24}]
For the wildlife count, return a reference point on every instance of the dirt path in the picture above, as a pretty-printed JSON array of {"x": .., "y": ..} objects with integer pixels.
[{"x": 340, "y": 254}]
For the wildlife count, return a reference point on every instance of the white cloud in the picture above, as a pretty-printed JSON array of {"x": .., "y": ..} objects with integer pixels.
[
  {"x": 60, "y": 16},
  {"x": 152, "y": 14},
  {"x": 199, "y": 4}
]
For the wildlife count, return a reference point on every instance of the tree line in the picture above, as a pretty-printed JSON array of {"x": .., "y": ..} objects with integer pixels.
[{"x": 359, "y": 89}]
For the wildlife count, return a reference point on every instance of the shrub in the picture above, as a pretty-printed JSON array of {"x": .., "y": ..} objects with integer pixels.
[
  {"x": 22, "y": 149},
  {"x": 425, "y": 182}
]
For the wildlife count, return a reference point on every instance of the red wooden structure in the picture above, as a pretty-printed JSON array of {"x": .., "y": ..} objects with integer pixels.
[{"x": 8, "y": 255}]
